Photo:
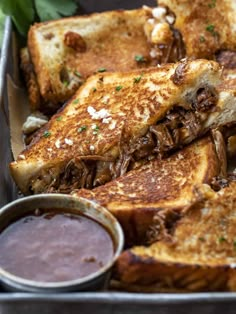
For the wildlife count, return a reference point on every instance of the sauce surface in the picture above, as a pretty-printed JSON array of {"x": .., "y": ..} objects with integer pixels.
[{"x": 54, "y": 247}]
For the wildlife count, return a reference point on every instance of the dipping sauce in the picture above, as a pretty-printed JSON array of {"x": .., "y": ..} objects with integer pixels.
[{"x": 54, "y": 247}]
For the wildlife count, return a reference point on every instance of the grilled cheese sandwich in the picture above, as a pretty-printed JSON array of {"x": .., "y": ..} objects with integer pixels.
[
  {"x": 200, "y": 256},
  {"x": 148, "y": 199},
  {"x": 117, "y": 119}
]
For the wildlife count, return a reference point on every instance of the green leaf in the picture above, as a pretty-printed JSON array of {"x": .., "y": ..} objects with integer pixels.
[
  {"x": 54, "y": 9},
  {"x": 21, "y": 12},
  {"x": 2, "y": 23}
]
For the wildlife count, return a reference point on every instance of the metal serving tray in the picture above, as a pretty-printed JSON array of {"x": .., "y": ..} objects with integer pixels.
[{"x": 87, "y": 302}]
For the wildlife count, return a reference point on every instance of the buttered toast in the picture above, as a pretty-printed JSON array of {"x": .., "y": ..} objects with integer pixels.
[
  {"x": 64, "y": 53},
  {"x": 118, "y": 119},
  {"x": 147, "y": 199},
  {"x": 200, "y": 256},
  {"x": 207, "y": 27}
]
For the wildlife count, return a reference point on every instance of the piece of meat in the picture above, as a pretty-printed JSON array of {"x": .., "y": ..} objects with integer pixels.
[
  {"x": 180, "y": 126},
  {"x": 179, "y": 75},
  {"x": 205, "y": 99},
  {"x": 227, "y": 58},
  {"x": 75, "y": 41}
]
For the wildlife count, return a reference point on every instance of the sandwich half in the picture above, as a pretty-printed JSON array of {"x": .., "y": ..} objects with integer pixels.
[
  {"x": 62, "y": 54},
  {"x": 207, "y": 27},
  {"x": 149, "y": 199},
  {"x": 118, "y": 119},
  {"x": 200, "y": 256}
]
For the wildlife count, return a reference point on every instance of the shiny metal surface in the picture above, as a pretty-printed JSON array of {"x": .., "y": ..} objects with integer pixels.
[
  {"x": 94, "y": 302},
  {"x": 7, "y": 188},
  {"x": 24, "y": 206}
]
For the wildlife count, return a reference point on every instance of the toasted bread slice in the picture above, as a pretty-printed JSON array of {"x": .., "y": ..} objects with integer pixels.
[
  {"x": 200, "y": 257},
  {"x": 145, "y": 198},
  {"x": 65, "y": 52},
  {"x": 35, "y": 99},
  {"x": 206, "y": 26},
  {"x": 117, "y": 119}
]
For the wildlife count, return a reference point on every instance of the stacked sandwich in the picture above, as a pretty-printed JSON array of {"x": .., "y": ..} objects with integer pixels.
[{"x": 150, "y": 104}]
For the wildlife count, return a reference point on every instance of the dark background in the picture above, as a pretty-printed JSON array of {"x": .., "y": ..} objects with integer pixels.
[{"x": 88, "y": 6}]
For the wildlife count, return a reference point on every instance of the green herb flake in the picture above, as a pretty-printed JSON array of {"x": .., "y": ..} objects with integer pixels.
[
  {"x": 82, "y": 128},
  {"x": 94, "y": 89},
  {"x": 78, "y": 74},
  {"x": 139, "y": 58},
  {"x": 212, "y": 4},
  {"x": 95, "y": 129},
  {"x": 222, "y": 239},
  {"x": 202, "y": 239},
  {"x": 118, "y": 88},
  {"x": 76, "y": 101},
  {"x": 46, "y": 134},
  {"x": 59, "y": 118},
  {"x": 66, "y": 83},
  {"x": 211, "y": 29},
  {"x": 137, "y": 79},
  {"x": 101, "y": 70},
  {"x": 202, "y": 39}
]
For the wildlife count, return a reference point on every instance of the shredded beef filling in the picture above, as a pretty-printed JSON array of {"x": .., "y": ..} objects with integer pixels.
[
  {"x": 227, "y": 58},
  {"x": 174, "y": 51},
  {"x": 180, "y": 126}
]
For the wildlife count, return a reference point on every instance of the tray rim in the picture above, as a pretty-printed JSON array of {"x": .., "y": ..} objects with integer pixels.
[
  {"x": 3, "y": 54},
  {"x": 125, "y": 298}
]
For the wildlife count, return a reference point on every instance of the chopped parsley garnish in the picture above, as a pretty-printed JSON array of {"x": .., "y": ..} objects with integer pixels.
[
  {"x": 234, "y": 244},
  {"x": 77, "y": 73},
  {"x": 95, "y": 129},
  {"x": 202, "y": 39},
  {"x": 66, "y": 83},
  {"x": 212, "y": 4},
  {"x": 46, "y": 134},
  {"x": 202, "y": 239},
  {"x": 118, "y": 88},
  {"x": 102, "y": 70},
  {"x": 59, "y": 118},
  {"x": 211, "y": 29},
  {"x": 76, "y": 101},
  {"x": 222, "y": 239},
  {"x": 139, "y": 58},
  {"x": 137, "y": 79},
  {"x": 82, "y": 128},
  {"x": 94, "y": 89}
]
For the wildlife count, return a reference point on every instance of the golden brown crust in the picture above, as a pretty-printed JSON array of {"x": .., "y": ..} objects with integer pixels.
[
  {"x": 124, "y": 109},
  {"x": 203, "y": 246},
  {"x": 112, "y": 40},
  {"x": 132, "y": 102},
  {"x": 161, "y": 189},
  {"x": 31, "y": 80},
  {"x": 206, "y": 26}
]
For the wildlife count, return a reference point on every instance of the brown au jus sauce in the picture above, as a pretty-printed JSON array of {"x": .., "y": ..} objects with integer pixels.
[{"x": 54, "y": 246}]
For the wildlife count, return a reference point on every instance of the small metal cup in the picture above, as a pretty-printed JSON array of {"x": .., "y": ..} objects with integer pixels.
[{"x": 95, "y": 281}]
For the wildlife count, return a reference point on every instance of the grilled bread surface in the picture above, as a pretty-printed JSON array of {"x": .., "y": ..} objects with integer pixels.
[
  {"x": 67, "y": 51},
  {"x": 206, "y": 26},
  {"x": 157, "y": 191},
  {"x": 200, "y": 256},
  {"x": 117, "y": 119}
]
